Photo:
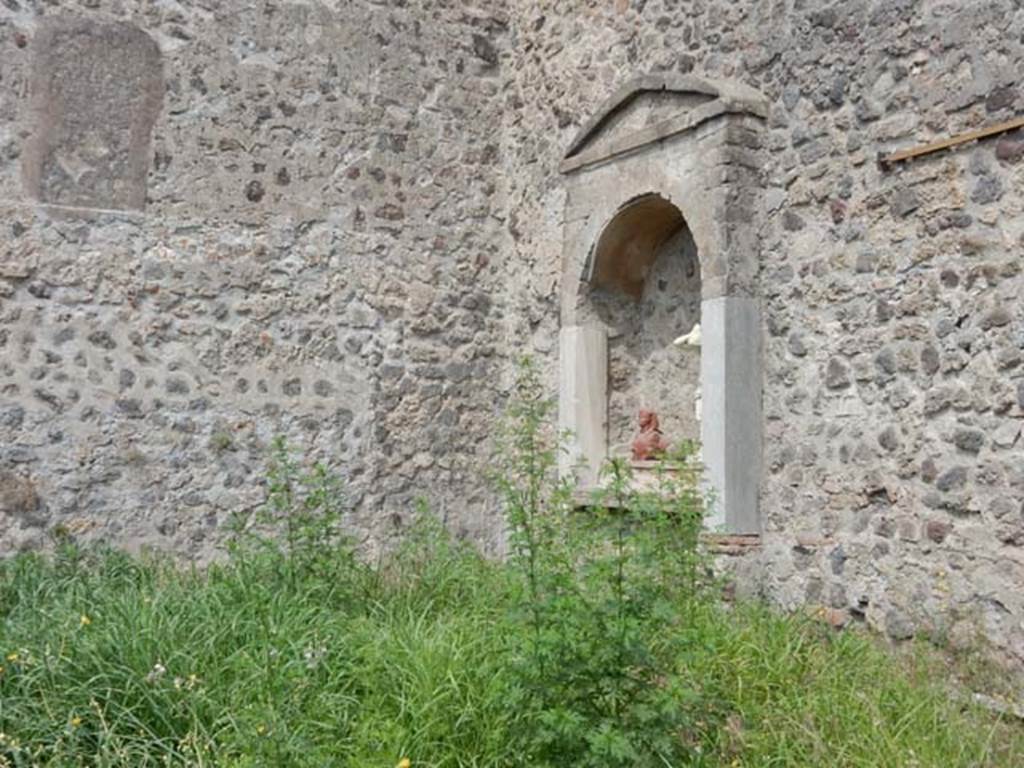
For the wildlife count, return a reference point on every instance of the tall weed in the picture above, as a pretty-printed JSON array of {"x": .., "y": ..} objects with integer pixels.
[{"x": 600, "y": 586}]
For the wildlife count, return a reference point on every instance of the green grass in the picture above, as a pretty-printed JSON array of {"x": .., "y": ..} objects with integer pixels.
[
  {"x": 806, "y": 695},
  {"x": 115, "y": 661}
]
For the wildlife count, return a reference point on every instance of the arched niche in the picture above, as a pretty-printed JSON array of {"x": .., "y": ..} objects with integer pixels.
[
  {"x": 644, "y": 288},
  {"x": 662, "y": 194}
]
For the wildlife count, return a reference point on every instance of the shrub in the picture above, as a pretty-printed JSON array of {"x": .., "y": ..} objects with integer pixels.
[{"x": 599, "y": 590}]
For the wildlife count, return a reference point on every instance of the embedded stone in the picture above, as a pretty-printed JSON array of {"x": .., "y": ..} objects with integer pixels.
[
  {"x": 837, "y": 558},
  {"x": 254, "y": 191},
  {"x": 177, "y": 386},
  {"x": 979, "y": 164},
  {"x": 969, "y": 440},
  {"x": 796, "y": 345},
  {"x": 885, "y": 361},
  {"x": 130, "y": 407},
  {"x": 837, "y": 374},
  {"x": 996, "y": 318},
  {"x": 12, "y": 416},
  {"x": 1009, "y": 150},
  {"x": 904, "y": 202},
  {"x": 791, "y": 96},
  {"x": 930, "y": 360},
  {"x": 937, "y": 400},
  {"x": 814, "y": 151},
  {"x": 791, "y": 222},
  {"x": 102, "y": 339},
  {"x": 987, "y": 190},
  {"x": 96, "y": 90},
  {"x": 837, "y": 92},
  {"x": 883, "y": 311},
  {"x": 1000, "y": 98},
  {"x": 908, "y": 531},
  {"x": 937, "y": 530},
  {"x": 898, "y": 625},
  {"x": 1003, "y": 508},
  {"x": 956, "y": 220},
  {"x": 484, "y": 50},
  {"x": 19, "y": 498},
  {"x": 952, "y": 479},
  {"x": 889, "y": 439},
  {"x": 389, "y": 212},
  {"x": 1006, "y": 436},
  {"x": 866, "y": 262}
]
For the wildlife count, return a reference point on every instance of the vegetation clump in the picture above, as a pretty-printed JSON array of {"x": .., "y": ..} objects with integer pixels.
[{"x": 601, "y": 641}]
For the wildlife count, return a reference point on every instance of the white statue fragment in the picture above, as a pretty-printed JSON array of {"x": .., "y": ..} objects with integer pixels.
[{"x": 691, "y": 339}]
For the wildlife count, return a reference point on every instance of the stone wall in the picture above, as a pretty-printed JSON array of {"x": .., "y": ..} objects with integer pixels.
[
  {"x": 224, "y": 221},
  {"x": 893, "y": 488},
  {"x": 350, "y": 220}
]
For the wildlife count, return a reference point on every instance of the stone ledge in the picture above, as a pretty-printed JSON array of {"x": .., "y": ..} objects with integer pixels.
[{"x": 731, "y": 544}]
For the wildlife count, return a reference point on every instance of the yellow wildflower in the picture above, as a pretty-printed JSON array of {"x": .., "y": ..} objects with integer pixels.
[
  {"x": 12, "y": 656},
  {"x": 261, "y": 729},
  {"x": 76, "y": 721},
  {"x": 405, "y": 762},
  {"x": 84, "y": 620}
]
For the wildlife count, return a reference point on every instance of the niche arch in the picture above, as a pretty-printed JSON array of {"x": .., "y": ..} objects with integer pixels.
[{"x": 662, "y": 203}]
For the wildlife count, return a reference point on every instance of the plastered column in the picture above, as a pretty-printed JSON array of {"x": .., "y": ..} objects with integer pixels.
[
  {"x": 583, "y": 400},
  {"x": 731, "y": 427}
]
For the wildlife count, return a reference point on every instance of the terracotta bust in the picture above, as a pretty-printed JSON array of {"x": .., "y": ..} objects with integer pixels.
[{"x": 650, "y": 443}]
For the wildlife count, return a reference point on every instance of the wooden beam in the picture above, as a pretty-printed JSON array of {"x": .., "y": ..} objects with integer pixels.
[{"x": 887, "y": 161}]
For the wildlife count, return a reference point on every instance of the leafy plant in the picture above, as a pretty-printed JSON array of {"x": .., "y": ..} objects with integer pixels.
[
  {"x": 301, "y": 520},
  {"x": 600, "y": 586}
]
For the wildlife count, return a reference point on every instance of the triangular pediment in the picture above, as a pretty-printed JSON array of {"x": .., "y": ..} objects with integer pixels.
[{"x": 654, "y": 107}]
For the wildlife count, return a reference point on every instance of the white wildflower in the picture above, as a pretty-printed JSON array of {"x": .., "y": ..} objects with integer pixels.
[{"x": 158, "y": 671}]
